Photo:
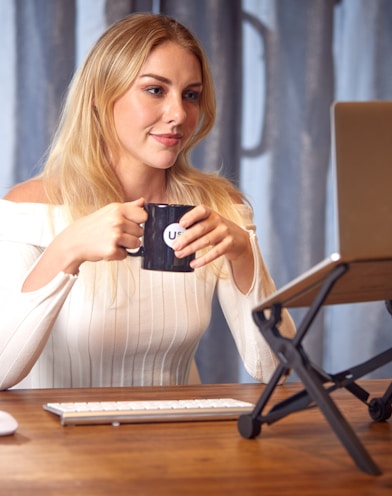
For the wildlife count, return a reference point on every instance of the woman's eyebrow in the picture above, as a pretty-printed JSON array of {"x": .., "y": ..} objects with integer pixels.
[{"x": 162, "y": 79}]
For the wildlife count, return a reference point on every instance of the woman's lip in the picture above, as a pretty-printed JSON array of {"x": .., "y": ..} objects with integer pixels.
[{"x": 167, "y": 139}]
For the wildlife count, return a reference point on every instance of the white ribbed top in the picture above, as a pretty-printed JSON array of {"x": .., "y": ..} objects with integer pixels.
[{"x": 78, "y": 331}]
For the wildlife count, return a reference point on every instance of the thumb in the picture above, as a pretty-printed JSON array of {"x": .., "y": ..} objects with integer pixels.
[{"x": 138, "y": 203}]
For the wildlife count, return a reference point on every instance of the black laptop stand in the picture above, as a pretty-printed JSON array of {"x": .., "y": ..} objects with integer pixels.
[{"x": 318, "y": 384}]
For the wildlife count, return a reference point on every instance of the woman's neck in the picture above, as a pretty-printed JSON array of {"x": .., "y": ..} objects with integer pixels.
[{"x": 151, "y": 186}]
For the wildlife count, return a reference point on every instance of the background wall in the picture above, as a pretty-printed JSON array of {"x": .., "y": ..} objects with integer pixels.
[{"x": 278, "y": 66}]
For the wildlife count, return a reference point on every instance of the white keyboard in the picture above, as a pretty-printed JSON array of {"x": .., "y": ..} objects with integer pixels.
[{"x": 121, "y": 412}]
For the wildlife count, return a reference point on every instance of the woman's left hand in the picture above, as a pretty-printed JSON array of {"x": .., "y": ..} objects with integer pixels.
[{"x": 207, "y": 229}]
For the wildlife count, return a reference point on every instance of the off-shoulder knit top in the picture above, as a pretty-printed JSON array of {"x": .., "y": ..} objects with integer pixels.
[{"x": 115, "y": 324}]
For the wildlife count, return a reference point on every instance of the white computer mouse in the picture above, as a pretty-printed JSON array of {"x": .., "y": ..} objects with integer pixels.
[{"x": 8, "y": 424}]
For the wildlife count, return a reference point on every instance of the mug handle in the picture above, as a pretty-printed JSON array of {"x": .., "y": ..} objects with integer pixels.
[{"x": 139, "y": 252}]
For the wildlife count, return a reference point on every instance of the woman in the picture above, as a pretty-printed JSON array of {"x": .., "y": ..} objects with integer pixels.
[{"x": 76, "y": 309}]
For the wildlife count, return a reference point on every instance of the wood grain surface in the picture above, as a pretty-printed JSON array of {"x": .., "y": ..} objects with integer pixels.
[{"x": 298, "y": 455}]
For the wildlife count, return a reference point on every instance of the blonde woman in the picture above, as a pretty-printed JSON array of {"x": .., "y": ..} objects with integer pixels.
[{"x": 76, "y": 310}]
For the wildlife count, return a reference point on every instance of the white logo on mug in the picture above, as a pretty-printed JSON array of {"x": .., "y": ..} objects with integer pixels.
[{"x": 171, "y": 233}]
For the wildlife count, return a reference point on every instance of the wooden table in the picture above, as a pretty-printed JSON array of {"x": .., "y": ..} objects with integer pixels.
[{"x": 298, "y": 455}]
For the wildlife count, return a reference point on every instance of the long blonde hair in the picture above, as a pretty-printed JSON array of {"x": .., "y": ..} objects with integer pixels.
[{"x": 79, "y": 172}]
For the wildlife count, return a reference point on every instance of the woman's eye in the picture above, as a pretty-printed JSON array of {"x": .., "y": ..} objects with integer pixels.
[
  {"x": 155, "y": 90},
  {"x": 193, "y": 96}
]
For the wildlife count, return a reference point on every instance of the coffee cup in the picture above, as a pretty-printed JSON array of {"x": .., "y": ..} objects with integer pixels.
[{"x": 161, "y": 229}]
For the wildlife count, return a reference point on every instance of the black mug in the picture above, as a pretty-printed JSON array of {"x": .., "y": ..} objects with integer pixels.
[{"x": 160, "y": 231}]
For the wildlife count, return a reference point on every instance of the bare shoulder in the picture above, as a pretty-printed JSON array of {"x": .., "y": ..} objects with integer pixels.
[{"x": 31, "y": 191}]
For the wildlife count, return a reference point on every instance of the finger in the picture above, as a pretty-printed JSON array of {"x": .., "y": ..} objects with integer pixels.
[
  {"x": 195, "y": 233},
  {"x": 132, "y": 229},
  {"x": 202, "y": 243},
  {"x": 190, "y": 242},
  {"x": 129, "y": 242},
  {"x": 135, "y": 212},
  {"x": 136, "y": 203},
  {"x": 195, "y": 215},
  {"x": 201, "y": 235},
  {"x": 207, "y": 258},
  {"x": 215, "y": 242}
]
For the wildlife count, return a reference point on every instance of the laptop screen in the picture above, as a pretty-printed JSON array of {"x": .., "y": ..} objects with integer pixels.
[{"x": 362, "y": 133}]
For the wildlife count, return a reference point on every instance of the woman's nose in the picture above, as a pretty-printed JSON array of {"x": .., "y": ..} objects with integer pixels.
[{"x": 175, "y": 110}]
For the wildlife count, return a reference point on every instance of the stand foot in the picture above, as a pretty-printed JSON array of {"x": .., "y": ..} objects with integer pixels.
[
  {"x": 248, "y": 426},
  {"x": 379, "y": 410}
]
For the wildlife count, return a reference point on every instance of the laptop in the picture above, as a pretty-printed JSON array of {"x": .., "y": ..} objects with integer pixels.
[{"x": 362, "y": 180}]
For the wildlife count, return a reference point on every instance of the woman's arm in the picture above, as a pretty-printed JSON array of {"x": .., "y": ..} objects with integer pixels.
[
  {"x": 36, "y": 277},
  {"x": 39, "y": 265},
  {"x": 101, "y": 235},
  {"x": 244, "y": 283},
  {"x": 26, "y": 318},
  {"x": 258, "y": 359}
]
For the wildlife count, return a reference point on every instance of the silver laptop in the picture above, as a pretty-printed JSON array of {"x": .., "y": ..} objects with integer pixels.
[{"x": 362, "y": 170}]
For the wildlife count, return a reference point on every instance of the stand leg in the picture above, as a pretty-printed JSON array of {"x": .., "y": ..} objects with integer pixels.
[
  {"x": 338, "y": 423},
  {"x": 292, "y": 356}
]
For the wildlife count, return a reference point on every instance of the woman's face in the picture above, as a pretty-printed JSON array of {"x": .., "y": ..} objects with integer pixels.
[{"x": 158, "y": 114}]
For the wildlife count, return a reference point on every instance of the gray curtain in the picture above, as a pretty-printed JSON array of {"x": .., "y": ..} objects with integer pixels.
[
  {"x": 363, "y": 71},
  {"x": 44, "y": 66},
  {"x": 278, "y": 65},
  {"x": 299, "y": 90}
]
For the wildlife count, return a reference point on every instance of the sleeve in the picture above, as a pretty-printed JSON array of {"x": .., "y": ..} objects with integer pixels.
[
  {"x": 26, "y": 318},
  {"x": 258, "y": 358}
]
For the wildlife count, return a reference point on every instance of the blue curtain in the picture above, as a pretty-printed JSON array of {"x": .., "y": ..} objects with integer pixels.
[{"x": 278, "y": 66}]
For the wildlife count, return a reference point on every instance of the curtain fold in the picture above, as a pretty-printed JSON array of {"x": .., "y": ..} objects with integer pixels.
[
  {"x": 44, "y": 66},
  {"x": 299, "y": 92}
]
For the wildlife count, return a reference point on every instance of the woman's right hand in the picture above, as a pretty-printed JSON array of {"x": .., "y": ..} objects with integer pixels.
[{"x": 102, "y": 235}]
